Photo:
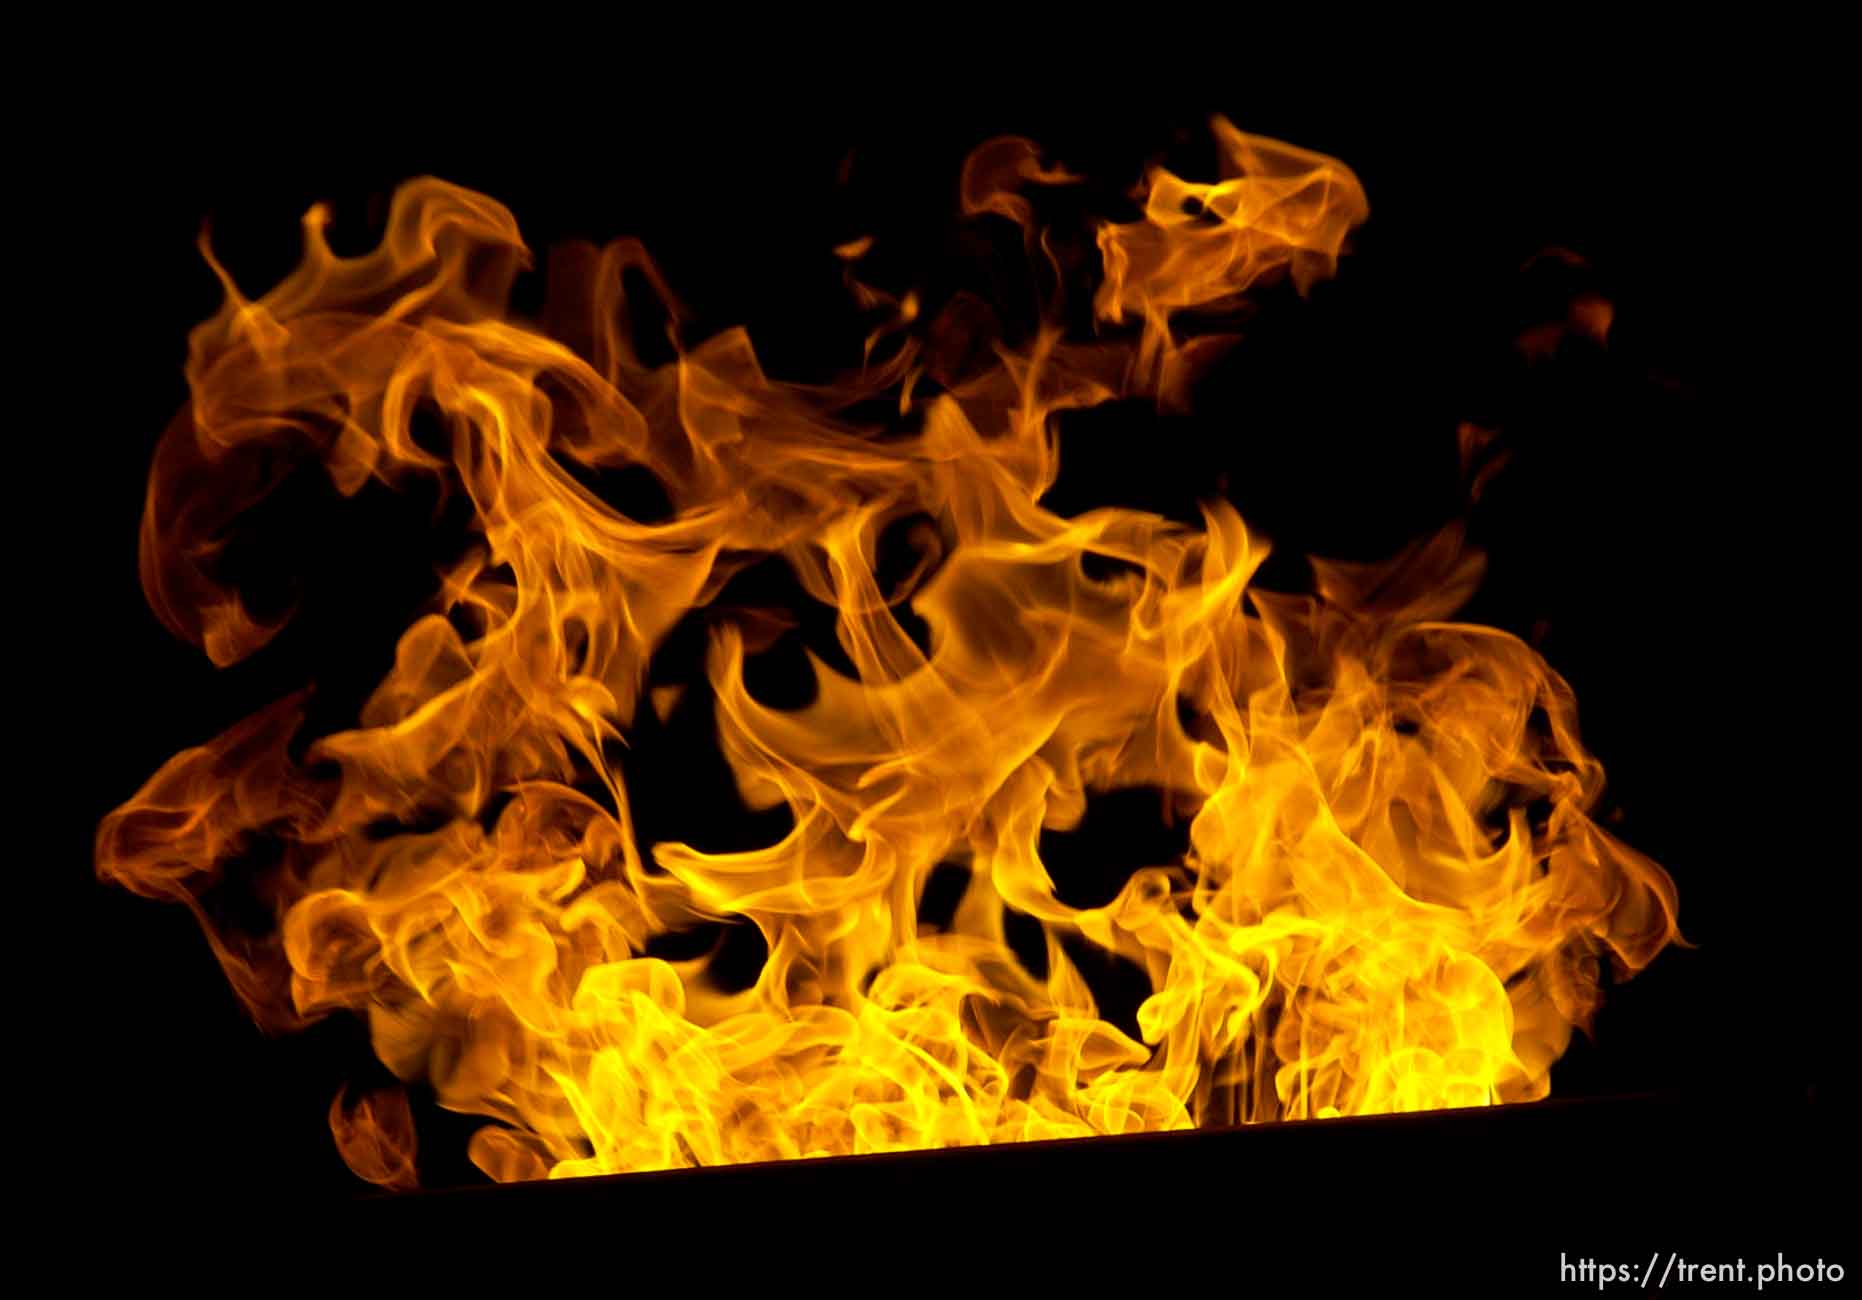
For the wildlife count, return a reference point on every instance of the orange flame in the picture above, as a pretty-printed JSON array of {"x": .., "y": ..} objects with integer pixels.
[{"x": 1368, "y": 919}]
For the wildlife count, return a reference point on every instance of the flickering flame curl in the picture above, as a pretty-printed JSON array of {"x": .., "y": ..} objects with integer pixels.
[{"x": 1369, "y": 918}]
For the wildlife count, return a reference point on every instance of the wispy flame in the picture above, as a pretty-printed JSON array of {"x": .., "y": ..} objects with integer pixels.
[{"x": 1367, "y": 919}]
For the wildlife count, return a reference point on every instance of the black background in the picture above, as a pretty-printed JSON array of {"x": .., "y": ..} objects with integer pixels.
[{"x": 1665, "y": 522}]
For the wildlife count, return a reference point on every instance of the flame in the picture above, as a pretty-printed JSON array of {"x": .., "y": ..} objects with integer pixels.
[{"x": 1393, "y": 897}]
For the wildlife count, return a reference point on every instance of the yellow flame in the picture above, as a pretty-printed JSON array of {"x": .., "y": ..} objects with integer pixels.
[{"x": 1367, "y": 919}]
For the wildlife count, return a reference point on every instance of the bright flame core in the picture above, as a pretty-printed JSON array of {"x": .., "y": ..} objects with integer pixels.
[{"x": 1367, "y": 920}]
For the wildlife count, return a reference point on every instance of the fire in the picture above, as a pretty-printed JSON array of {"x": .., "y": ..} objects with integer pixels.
[{"x": 1393, "y": 898}]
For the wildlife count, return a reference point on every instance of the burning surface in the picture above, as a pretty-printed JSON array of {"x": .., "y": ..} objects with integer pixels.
[{"x": 1393, "y": 897}]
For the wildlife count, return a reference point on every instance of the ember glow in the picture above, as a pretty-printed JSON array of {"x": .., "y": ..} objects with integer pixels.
[{"x": 1394, "y": 898}]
